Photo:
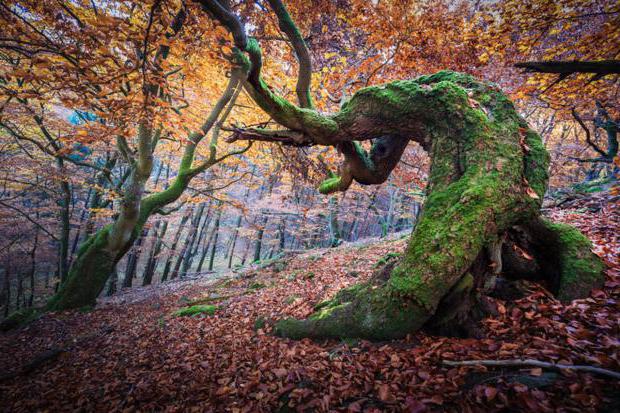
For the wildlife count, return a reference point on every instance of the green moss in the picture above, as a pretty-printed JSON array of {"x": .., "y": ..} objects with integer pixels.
[
  {"x": 596, "y": 185},
  {"x": 386, "y": 258},
  {"x": 259, "y": 323},
  {"x": 371, "y": 315},
  {"x": 257, "y": 286},
  {"x": 475, "y": 194},
  {"x": 19, "y": 318},
  {"x": 86, "y": 309},
  {"x": 351, "y": 342},
  {"x": 536, "y": 163},
  {"x": 87, "y": 276},
  {"x": 291, "y": 299},
  {"x": 580, "y": 269},
  {"x": 209, "y": 299},
  {"x": 195, "y": 310},
  {"x": 330, "y": 185}
]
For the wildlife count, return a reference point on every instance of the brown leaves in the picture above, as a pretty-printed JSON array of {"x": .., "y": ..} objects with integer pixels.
[
  {"x": 220, "y": 363},
  {"x": 528, "y": 189}
]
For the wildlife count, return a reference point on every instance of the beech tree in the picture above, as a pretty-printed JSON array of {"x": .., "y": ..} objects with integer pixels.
[
  {"x": 79, "y": 56},
  {"x": 481, "y": 217}
]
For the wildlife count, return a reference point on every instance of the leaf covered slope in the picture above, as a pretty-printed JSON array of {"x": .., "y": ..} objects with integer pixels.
[{"x": 131, "y": 352}]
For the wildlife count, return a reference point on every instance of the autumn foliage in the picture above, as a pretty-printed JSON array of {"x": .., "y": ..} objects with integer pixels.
[{"x": 148, "y": 185}]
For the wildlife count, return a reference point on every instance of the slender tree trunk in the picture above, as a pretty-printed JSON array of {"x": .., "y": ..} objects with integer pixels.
[
  {"x": 112, "y": 283},
  {"x": 6, "y": 286},
  {"x": 235, "y": 234},
  {"x": 186, "y": 252},
  {"x": 155, "y": 251},
  {"x": 33, "y": 267},
  {"x": 216, "y": 229},
  {"x": 335, "y": 238},
  {"x": 246, "y": 252},
  {"x": 78, "y": 233},
  {"x": 132, "y": 261},
  {"x": 233, "y": 243},
  {"x": 20, "y": 289},
  {"x": 259, "y": 238},
  {"x": 173, "y": 247},
  {"x": 65, "y": 228},
  {"x": 205, "y": 250},
  {"x": 282, "y": 235},
  {"x": 187, "y": 242}
]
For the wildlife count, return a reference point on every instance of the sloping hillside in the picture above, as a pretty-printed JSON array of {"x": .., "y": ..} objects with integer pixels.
[{"x": 132, "y": 352}]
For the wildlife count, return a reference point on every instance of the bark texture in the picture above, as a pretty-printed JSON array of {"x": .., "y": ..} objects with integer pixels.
[{"x": 488, "y": 176}]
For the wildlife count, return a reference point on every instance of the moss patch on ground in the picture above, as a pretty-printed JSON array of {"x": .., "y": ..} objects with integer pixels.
[{"x": 195, "y": 310}]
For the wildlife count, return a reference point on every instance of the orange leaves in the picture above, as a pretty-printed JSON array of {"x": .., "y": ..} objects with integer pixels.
[
  {"x": 220, "y": 363},
  {"x": 531, "y": 193},
  {"x": 528, "y": 189},
  {"x": 522, "y": 252},
  {"x": 221, "y": 32}
]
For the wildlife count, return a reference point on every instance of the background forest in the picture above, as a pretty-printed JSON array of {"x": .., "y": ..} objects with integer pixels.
[{"x": 123, "y": 156}]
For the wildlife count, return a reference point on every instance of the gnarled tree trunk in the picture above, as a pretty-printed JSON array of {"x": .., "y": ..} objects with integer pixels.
[
  {"x": 487, "y": 179},
  {"x": 488, "y": 176}
]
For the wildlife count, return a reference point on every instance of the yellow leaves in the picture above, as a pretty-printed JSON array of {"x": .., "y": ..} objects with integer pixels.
[
  {"x": 523, "y": 48},
  {"x": 226, "y": 50},
  {"x": 221, "y": 32},
  {"x": 483, "y": 58}
]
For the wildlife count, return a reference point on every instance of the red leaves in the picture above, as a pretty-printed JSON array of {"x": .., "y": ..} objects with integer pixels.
[
  {"x": 384, "y": 393},
  {"x": 490, "y": 392},
  {"x": 220, "y": 363}
]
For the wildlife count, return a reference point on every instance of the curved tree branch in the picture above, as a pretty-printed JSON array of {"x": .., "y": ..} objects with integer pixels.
[
  {"x": 287, "y": 25},
  {"x": 587, "y": 131},
  {"x": 317, "y": 126}
]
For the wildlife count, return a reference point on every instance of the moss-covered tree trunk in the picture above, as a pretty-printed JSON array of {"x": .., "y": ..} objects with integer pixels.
[
  {"x": 487, "y": 179},
  {"x": 99, "y": 254},
  {"x": 488, "y": 176}
]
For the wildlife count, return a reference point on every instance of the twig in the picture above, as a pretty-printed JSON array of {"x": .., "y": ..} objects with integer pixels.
[
  {"x": 52, "y": 354},
  {"x": 534, "y": 363}
]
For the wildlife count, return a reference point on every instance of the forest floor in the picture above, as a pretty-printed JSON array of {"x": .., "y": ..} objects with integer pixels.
[{"x": 131, "y": 353}]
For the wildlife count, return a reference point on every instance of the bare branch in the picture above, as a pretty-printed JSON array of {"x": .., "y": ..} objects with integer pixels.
[
  {"x": 284, "y": 136},
  {"x": 588, "y": 136},
  {"x": 600, "y": 67},
  {"x": 52, "y": 236},
  {"x": 534, "y": 363}
]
